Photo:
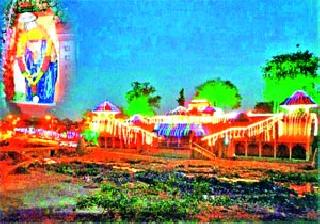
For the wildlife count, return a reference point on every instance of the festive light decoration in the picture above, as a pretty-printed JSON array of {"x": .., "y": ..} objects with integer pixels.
[
  {"x": 297, "y": 125},
  {"x": 179, "y": 130},
  {"x": 227, "y": 127},
  {"x": 175, "y": 119},
  {"x": 121, "y": 129},
  {"x": 250, "y": 130},
  {"x": 48, "y": 133}
]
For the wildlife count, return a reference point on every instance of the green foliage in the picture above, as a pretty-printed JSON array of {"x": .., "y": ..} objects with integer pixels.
[
  {"x": 86, "y": 202},
  {"x": 284, "y": 74},
  {"x": 297, "y": 178},
  {"x": 201, "y": 188},
  {"x": 143, "y": 89},
  {"x": 219, "y": 93},
  {"x": 65, "y": 169},
  {"x": 141, "y": 100},
  {"x": 78, "y": 170},
  {"x": 181, "y": 100},
  {"x": 33, "y": 6},
  {"x": 290, "y": 65},
  {"x": 107, "y": 187},
  {"x": 288, "y": 86},
  {"x": 3, "y": 103},
  {"x": 91, "y": 136},
  {"x": 91, "y": 171},
  {"x": 220, "y": 200},
  {"x": 140, "y": 208},
  {"x": 169, "y": 196},
  {"x": 139, "y": 105}
]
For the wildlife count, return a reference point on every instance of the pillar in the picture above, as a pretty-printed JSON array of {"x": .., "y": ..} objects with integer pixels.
[
  {"x": 232, "y": 148},
  {"x": 275, "y": 150},
  {"x": 290, "y": 151},
  {"x": 129, "y": 142},
  {"x": 121, "y": 144},
  {"x": 105, "y": 141},
  {"x": 246, "y": 148},
  {"x": 219, "y": 147},
  {"x": 308, "y": 151},
  {"x": 260, "y": 148},
  {"x": 113, "y": 142},
  {"x": 139, "y": 141}
]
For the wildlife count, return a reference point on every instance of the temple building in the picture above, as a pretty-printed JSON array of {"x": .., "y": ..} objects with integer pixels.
[{"x": 287, "y": 135}]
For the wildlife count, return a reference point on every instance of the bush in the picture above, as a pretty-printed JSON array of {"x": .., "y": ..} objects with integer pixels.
[
  {"x": 223, "y": 200},
  {"x": 297, "y": 178},
  {"x": 144, "y": 200},
  {"x": 22, "y": 170},
  {"x": 65, "y": 169}
]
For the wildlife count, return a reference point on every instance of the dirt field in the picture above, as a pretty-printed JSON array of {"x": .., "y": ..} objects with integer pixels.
[{"x": 26, "y": 179}]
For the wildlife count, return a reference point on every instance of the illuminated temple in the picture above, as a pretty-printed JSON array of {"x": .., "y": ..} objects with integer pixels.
[{"x": 208, "y": 131}]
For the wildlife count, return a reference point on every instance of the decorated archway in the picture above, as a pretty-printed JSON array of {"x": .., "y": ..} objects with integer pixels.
[
  {"x": 283, "y": 151},
  {"x": 299, "y": 152}
]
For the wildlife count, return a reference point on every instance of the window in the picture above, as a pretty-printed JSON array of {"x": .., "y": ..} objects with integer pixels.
[{"x": 67, "y": 47}]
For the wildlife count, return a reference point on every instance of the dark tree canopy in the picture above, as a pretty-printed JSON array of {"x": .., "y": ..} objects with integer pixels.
[
  {"x": 286, "y": 73},
  {"x": 141, "y": 100},
  {"x": 219, "y": 93},
  {"x": 290, "y": 65},
  {"x": 263, "y": 108},
  {"x": 181, "y": 99}
]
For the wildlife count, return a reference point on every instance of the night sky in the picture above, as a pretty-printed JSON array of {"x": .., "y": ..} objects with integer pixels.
[{"x": 176, "y": 44}]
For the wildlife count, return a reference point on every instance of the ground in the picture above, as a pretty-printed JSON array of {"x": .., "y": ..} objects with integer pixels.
[{"x": 32, "y": 182}]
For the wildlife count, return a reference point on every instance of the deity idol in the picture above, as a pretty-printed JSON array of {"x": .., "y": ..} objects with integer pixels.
[{"x": 37, "y": 60}]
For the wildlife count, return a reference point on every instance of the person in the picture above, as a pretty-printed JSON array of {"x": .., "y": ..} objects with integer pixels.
[{"x": 37, "y": 61}]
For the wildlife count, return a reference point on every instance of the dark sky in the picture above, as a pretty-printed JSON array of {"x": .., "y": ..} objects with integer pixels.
[{"x": 176, "y": 44}]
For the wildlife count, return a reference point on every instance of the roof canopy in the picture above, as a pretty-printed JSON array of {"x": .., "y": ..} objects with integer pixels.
[
  {"x": 209, "y": 110},
  {"x": 179, "y": 130},
  {"x": 106, "y": 107},
  {"x": 180, "y": 110},
  {"x": 298, "y": 99}
]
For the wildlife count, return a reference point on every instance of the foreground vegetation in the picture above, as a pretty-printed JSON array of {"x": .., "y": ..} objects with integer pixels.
[
  {"x": 173, "y": 195},
  {"x": 162, "y": 196}
]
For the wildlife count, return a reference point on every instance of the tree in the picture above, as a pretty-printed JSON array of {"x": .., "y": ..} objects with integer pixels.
[
  {"x": 139, "y": 105},
  {"x": 3, "y": 104},
  {"x": 91, "y": 136},
  {"x": 219, "y": 93},
  {"x": 181, "y": 99},
  {"x": 140, "y": 99},
  {"x": 263, "y": 108},
  {"x": 286, "y": 73}
]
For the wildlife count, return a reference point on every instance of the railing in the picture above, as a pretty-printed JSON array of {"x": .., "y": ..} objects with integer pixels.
[
  {"x": 203, "y": 151},
  {"x": 123, "y": 130},
  {"x": 175, "y": 119},
  {"x": 250, "y": 130}
]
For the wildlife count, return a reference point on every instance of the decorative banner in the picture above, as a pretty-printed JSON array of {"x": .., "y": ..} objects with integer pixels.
[
  {"x": 37, "y": 54},
  {"x": 35, "y": 69}
]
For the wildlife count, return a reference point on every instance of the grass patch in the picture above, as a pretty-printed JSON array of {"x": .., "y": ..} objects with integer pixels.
[{"x": 172, "y": 155}]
